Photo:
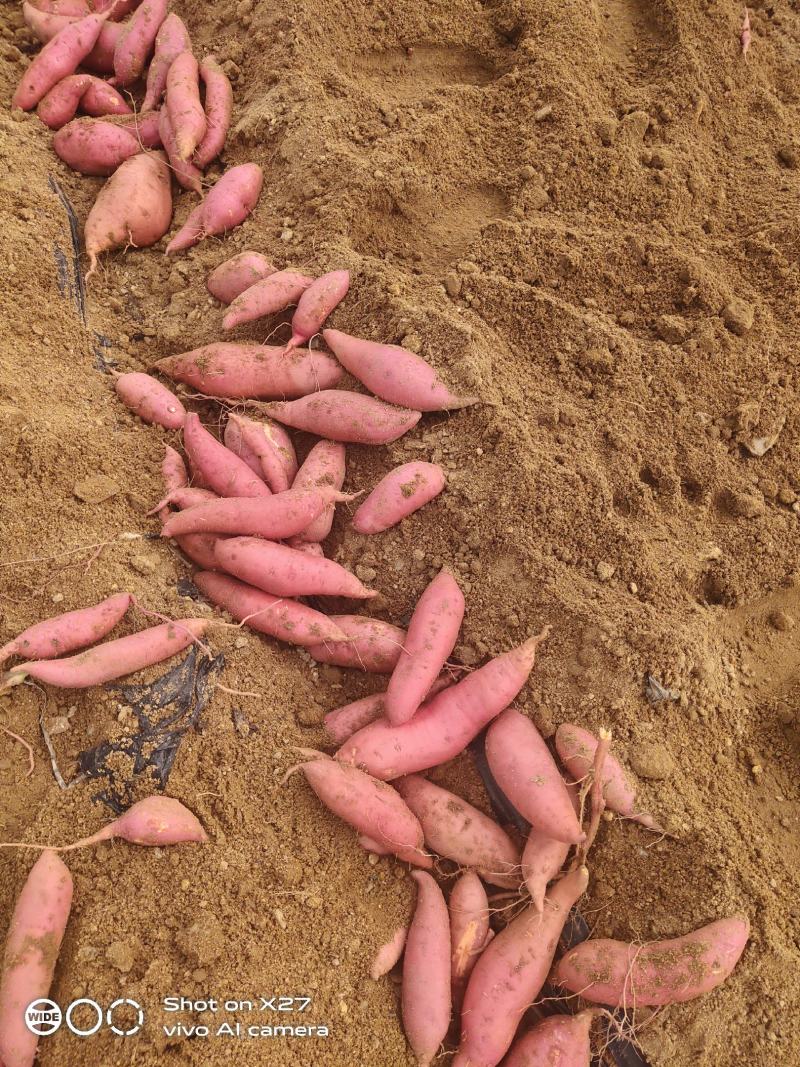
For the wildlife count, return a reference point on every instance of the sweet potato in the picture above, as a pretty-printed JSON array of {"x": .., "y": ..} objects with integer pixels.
[
  {"x": 186, "y": 173},
  {"x": 232, "y": 436},
  {"x": 236, "y": 274},
  {"x": 113, "y": 659},
  {"x": 117, "y": 9},
  {"x": 623, "y": 975},
  {"x": 340, "y": 415},
  {"x": 316, "y": 304},
  {"x": 93, "y": 95},
  {"x": 510, "y": 973},
  {"x": 34, "y": 938},
  {"x": 175, "y": 476},
  {"x": 459, "y": 832},
  {"x": 469, "y": 925},
  {"x": 445, "y": 725},
  {"x": 78, "y": 9},
  {"x": 388, "y": 955},
  {"x": 186, "y": 115},
  {"x": 576, "y": 748},
  {"x": 134, "y": 207},
  {"x": 343, "y": 722},
  {"x": 394, "y": 374},
  {"x": 373, "y": 808},
  {"x": 218, "y": 110},
  {"x": 399, "y": 494},
  {"x": 156, "y": 820},
  {"x": 150, "y": 400},
  {"x": 274, "y": 448},
  {"x": 284, "y": 619},
  {"x": 64, "y": 633},
  {"x": 143, "y": 127},
  {"x": 46, "y": 25},
  {"x": 227, "y": 204},
  {"x": 59, "y": 58},
  {"x": 324, "y": 466},
  {"x": 371, "y": 645},
  {"x": 560, "y": 1039},
  {"x": 267, "y": 296},
  {"x": 426, "y": 996},
  {"x": 432, "y": 635},
  {"x": 188, "y": 496},
  {"x": 523, "y": 768},
  {"x": 172, "y": 39},
  {"x": 284, "y": 571},
  {"x": 542, "y": 859},
  {"x": 274, "y": 517},
  {"x": 219, "y": 468},
  {"x": 93, "y": 147},
  {"x": 199, "y": 548},
  {"x": 137, "y": 41},
  {"x": 251, "y": 371}
]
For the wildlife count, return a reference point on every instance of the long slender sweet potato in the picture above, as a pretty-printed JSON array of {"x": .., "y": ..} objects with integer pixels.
[
  {"x": 238, "y": 273},
  {"x": 324, "y": 466},
  {"x": 445, "y": 725},
  {"x": 622, "y": 975},
  {"x": 469, "y": 925},
  {"x": 277, "y": 616},
  {"x": 134, "y": 207},
  {"x": 394, "y": 374},
  {"x": 217, "y": 466},
  {"x": 426, "y": 995},
  {"x": 399, "y": 494},
  {"x": 373, "y": 808},
  {"x": 186, "y": 173},
  {"x": 138, "y": 39},
  {"x": 186, "y": 115},
  {"x": 59, "y": 58},
  {"x": 251, "y": 371},
  {"x": 510, "y": 973},
  {"x": 100, "y": 60},
  {"x": 34, "y": 938},
  {"x": 113, "y": 659},
  {"x": 459, "y": 832},
  {"x": 432, "y": 635},
  {"x": 274, "y": 517},
  {"x": 266, "y": 296},
  {"x": 64, "y": 633},
  {"x": 372, "y": 645},
  {"x": 284, "y": 571},
  {"x": 576, "y": 748},
  {"x": 172, "y": 39},
  {"x": 523, "y": 768},
  {"x": 218, "y": 110},
  {"x": 340, "y": 415}
]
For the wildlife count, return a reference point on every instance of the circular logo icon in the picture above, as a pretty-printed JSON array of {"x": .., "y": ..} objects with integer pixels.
[
  {"x": 43, "y": 1017},
  {"x": 139, "y": 1017},
  {"x": 94, "y": 1006}
]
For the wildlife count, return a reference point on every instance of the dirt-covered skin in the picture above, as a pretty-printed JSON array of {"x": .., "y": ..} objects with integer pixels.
[{"x": 586, "y": 214}]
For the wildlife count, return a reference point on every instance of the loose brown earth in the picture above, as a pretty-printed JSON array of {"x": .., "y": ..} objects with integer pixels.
[{"x": 588, "y": 215}]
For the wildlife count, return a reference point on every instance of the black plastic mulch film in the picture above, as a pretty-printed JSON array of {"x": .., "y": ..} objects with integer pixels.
[{"x": 185, "y": 691}]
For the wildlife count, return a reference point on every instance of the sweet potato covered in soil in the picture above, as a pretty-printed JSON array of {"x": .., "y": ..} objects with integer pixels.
[{"x": 597, "y": 441}]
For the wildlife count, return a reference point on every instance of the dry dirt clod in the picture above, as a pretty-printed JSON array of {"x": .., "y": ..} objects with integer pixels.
[
  {"x": 651, "y": 760},
  {"x": 95, "y": 489},
  {"x": 738, "y": 316}
]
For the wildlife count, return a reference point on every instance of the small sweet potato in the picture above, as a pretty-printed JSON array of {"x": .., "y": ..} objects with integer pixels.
[
  {"x": 238, "y": 273},
  {"x": 218, "y": 110},
  {"x": 183, "y": 104},
  {"x": 92, "y": 95},
  {"x": 426, "y": 994},
  {"x": 150, "y": 400},
  {"x": 266, "y": 296},
  {"x": 316, "y": 304},
  {"x": 284, "y": 571},
  {"x": 323, "y": 466},
  {"x": 371, "y": 645},
  {"x": 559, "y": 1039},
  {"x": 340, "y": 415},
  {"x": 186, "y": 173},
  {"x": 172, "y": 39},
  {"x": 219, "y": 469},
  {"x": 227, "y": 204},
  {"x": 398, "y": 494},
  {"x": 59, "y": 58},
  {"x": 137, "y": 41}
]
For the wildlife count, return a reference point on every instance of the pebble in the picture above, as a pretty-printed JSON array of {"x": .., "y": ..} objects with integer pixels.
[
  {"x": 241, "y": 642},
  {"x": 310, "y": 715},
  {"x": 673, "y": 329},
  {"x": 58, "y": 725},
  {"x": 543, "y": 113},
  {"x": 366, "y": 574},
  {"x": 57, "y": 598},
  {"x": 95, "y": 489},
  {"x": 452, "y": 284},
  {"x": 120, "y": 954},
  {"x": 287, "y": 235},
  {"x": 786, "y": 495},
  {"x": 604, "y": 571},
  {"x": 634, "y": 125},
  {"x": 651, "y": 760},
  {"x": 738, "y": 316},
  {"x": 781, "y": 620},
  {"x": 144, "y": 564}
]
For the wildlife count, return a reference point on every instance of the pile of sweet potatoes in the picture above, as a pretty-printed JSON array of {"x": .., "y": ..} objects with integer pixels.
[
  {"x": 185, "y": 111},
  {"x": 253, "y": 519}
]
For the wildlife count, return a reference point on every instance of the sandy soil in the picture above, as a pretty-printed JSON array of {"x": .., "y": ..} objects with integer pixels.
[{"x": 588, "y": 215}]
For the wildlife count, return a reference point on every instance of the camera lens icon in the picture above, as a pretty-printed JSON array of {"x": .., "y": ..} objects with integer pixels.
[{"x": 43, "y": 1017}]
